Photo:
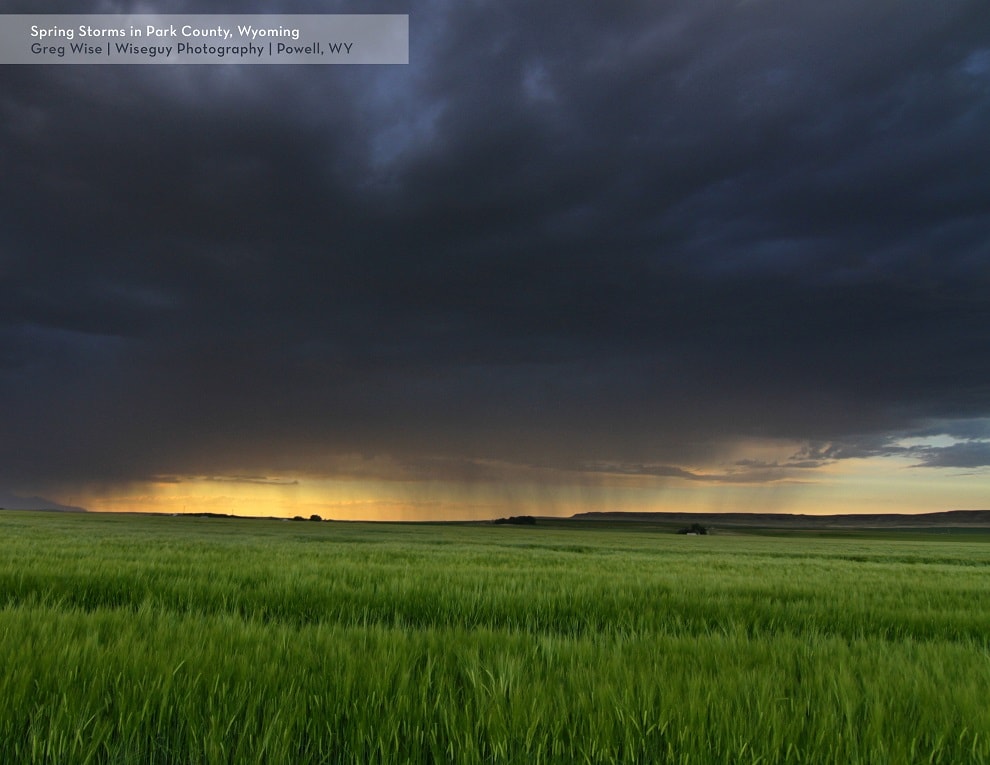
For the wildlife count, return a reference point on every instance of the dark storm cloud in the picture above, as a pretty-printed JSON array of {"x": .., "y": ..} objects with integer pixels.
[
  {"x": 970, "y": 451},
  {"x": 970, "y": 454},
  {"x": 854, "y": 447},
  {"x": 565, "y": 234},
  {"x": 746, "y": 471}
]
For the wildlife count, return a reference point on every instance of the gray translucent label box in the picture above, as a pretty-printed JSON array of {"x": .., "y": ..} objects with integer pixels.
[{"x": 204, "y": 39}]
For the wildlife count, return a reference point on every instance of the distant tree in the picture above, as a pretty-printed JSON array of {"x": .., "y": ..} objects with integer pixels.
[
  {"x": 315, "y": 517},
  {"x": 694, "y": 528},
  {"x": 298, "y": 518},
  {"x": 517, "y": 520}
]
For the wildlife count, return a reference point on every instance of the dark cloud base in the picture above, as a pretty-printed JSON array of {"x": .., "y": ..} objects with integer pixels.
[{"x": 602, "y": 236}]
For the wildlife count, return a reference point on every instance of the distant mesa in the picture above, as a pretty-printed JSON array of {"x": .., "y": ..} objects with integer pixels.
[
  {"x": 685, "y": 522},
  {"x": 9, "y": 501}
]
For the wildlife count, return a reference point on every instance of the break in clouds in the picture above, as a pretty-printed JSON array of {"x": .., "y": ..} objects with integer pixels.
[{"x": 577, "y": 237}]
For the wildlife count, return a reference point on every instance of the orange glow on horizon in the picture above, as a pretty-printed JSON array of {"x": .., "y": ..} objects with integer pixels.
[{"x": 852, "y": 486}]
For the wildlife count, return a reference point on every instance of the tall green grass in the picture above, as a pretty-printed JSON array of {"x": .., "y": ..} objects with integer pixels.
[{"x": 185, "y": 640}]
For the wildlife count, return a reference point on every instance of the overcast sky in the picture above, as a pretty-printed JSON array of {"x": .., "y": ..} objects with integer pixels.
[{"x": 574, "y": 256}]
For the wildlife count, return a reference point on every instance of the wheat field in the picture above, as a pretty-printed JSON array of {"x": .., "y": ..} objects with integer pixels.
[{"x": 130, "y": 639}]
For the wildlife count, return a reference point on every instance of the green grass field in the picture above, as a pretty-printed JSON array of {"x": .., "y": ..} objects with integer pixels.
[{"x": 188, "y": 640}]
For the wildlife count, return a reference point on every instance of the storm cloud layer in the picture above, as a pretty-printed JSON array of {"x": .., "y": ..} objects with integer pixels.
[{"x": 579, "y": 236}]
